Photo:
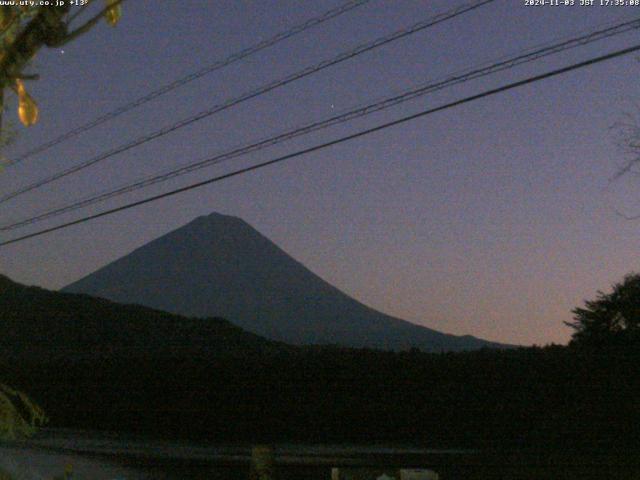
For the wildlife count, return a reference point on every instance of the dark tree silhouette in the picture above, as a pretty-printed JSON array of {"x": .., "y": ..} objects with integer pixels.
[
  {"x": 610, "y": 319},
  {"x": 26, "y": 28}
]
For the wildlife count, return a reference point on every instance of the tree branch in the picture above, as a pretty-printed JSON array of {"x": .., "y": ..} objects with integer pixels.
[
  {"x": 79, "y": 12},
  {"x": 88, "y": 25},
  {"x": 9, "y": 24},
  {"x": 40, "y": 31}
]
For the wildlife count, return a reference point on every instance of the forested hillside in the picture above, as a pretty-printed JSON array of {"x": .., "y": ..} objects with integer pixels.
[{"x": 207, "y": 379}]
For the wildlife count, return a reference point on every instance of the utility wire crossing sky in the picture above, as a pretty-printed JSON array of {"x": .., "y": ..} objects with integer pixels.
[
  {"x": 336, "y": 119},
  {"x": 527, "y": 81},
  {"x": 232, "y": 102},
  {"x": 494, "y": 218}
]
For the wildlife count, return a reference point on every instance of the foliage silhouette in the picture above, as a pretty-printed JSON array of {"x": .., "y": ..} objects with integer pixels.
[
  {"x": 26, "y": 29},
  {"x": 170, "y": 376},
  {"x": 612, "y": 318}
]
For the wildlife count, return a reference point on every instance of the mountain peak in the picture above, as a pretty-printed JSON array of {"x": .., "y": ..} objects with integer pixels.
[
  {"x": 220, "y": 266},
  {"x": 219, "y": 217},
  {"x": 216, "y": 221}
]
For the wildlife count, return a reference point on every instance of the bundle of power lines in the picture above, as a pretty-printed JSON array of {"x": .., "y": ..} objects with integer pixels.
[{"x": 501, "y": 64}]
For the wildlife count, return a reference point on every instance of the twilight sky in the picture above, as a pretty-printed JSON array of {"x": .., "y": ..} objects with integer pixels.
[{"x": 494, "y": 218}]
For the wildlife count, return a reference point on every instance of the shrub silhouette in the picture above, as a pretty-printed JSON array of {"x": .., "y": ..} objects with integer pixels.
[{"x": 610, "y": 319}]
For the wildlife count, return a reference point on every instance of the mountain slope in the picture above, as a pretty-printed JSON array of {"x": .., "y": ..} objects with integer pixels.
[
  {"x": 220, "y": 266},
  {"x": 37, "y": 323}
]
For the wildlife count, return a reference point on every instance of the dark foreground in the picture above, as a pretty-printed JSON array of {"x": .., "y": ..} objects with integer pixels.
[
  {"x": 96, "y": 365},
  {"x": 556, "y": 398},
  {"x": 173, "y": 461},
  {"x": 517, "y": 466}
]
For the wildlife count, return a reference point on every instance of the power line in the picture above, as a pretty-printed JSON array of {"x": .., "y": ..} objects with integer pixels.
[
  {"x": 235, "y": 57},
  {"x": 504, "y": 63},
  {"x": 252, "y": 94},
  {"x": 337, "y": 141}
]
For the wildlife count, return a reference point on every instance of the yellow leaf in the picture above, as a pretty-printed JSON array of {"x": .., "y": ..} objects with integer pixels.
[
  {"x": 27, "y": 108},
  {"x": 113, "y": 13}
]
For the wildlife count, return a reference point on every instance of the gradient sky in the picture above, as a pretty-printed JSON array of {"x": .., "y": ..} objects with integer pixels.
[{"x": 494, "y": 219}]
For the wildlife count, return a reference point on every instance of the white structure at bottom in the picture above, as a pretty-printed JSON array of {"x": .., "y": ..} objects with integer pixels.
[
  {"x": 358, "y": 473},
  {"x": 418, "y": 474}
]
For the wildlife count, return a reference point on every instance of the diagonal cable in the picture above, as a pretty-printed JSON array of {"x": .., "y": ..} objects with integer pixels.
[
  {"x": 337, "y": 141},
  {"x": 529, "y": 55},
  {"x": 235, "y": 57},
  {"x": 417, "y": 27}
]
